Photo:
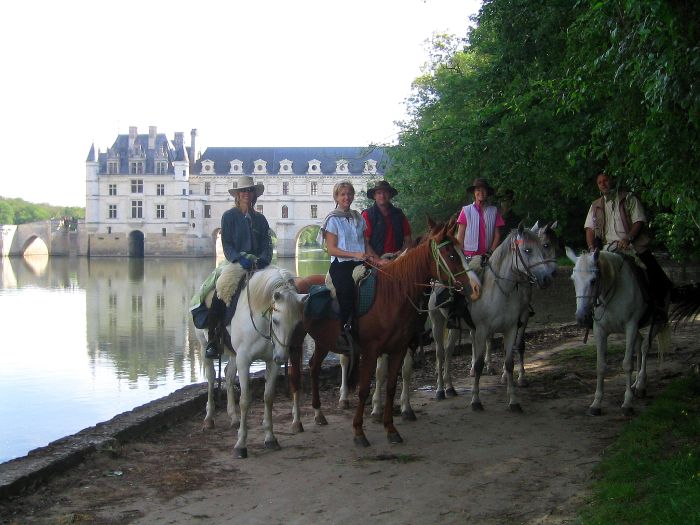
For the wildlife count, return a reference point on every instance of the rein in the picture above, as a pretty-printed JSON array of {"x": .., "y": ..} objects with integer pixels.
[{"x": 273, "y": 337}]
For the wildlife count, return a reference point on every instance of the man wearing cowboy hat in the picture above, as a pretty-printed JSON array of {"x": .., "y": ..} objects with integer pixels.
[
  {"x": 246, "y": 241},
  {"x": 479, "y": 224},
  {"x": 387, "y": 229}
]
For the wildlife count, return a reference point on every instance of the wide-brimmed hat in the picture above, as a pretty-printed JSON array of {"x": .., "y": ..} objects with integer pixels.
[
  {"x": 382, "y": 185},
  {"x": 481, "y": 183},
  {"x": 245, "y": 182}
]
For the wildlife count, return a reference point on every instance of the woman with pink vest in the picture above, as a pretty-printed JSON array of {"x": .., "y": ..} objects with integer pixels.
[{"x": 479, "y": 224}]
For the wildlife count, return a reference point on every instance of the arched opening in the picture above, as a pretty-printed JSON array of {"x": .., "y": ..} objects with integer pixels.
[
  {"x": 311, "y": 258},
  {"x": 218, "y": 247},
  {"x": 136, "y": 244},
  {"x": 35, "y": 246}
]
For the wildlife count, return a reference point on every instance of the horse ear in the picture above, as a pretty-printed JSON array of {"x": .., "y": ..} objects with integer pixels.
[
  {"x": 554, "y": 225},
  {"x": 535, "y": 227},
  {"x": 571, "y": 254},
  {"x": 521, "y": 228}
]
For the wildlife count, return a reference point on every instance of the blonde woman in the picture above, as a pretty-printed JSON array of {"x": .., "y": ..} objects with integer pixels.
[{"x": 343, "y": 233}]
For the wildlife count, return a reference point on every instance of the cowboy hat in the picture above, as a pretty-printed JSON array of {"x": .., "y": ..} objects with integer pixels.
[
  {"x": 480, "y": 183},
  {"x": 382, "y": 185},
  {"x": 245, "y": 182}
]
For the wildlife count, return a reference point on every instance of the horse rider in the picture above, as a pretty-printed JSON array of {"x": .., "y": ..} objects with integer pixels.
[
  {"x": 343, "y": 233},
  {"x": 616, "y": 222},
  {"x": 388, "y": 230},
  {"x": 506, "y": 197},
  {"x": 479, "y": 224},
  {"x": 246, "y": 241}
]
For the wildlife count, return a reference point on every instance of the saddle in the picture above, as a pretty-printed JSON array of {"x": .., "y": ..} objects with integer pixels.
[
  {"x": 365, "y": 289},
  {"x": 457, "y": 308},
  {"x": 640, "y": 273}
]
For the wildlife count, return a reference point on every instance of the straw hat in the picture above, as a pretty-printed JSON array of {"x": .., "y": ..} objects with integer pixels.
[
  {"x": 382, "y": 185},
  {"x": 246, "y": 182},
  {"x": 481, "y": 183}
]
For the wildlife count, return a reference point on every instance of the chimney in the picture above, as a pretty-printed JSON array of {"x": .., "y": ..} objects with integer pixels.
[
  {"x": 193, "y": 138},
  {"x": 132, "y": 136},
  {"x": 179, "y": 139},
  {"x": 152, "y": 137}
]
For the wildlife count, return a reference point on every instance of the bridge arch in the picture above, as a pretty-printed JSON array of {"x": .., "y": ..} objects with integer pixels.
[
  {"x": 136, "y": 244},
  {"x": 34, "y": 245}
]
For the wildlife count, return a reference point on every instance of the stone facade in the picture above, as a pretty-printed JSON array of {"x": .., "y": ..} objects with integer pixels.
[{"x": 147, "y": 195}]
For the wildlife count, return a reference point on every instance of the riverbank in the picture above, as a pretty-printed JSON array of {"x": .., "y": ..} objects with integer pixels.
[{"x": 454, "y": 466}]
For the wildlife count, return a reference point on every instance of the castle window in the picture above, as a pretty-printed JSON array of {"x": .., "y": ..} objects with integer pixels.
[
  {"x": 136, "y": 185},
  {"x": 285, "y": 166},
  {"x": 314, "y": 188},
  {"x": 260, "y": 166},
  {"x": 314, "y": 211},
  {"x": 236, "y": 166},
  {"x": 285, "y": 188},
  {"x": 285, "y": 212},
  {"x": 137, "y": 209},
  {"x": 112, "y": 189},
  {"x": 136, "y": 167},
  {"x": 161, "y": 167},
  {"x": 341, "y": 166},
  {"x": 207, "y": 188},
  {"x": 191, "y": 214},
  {"x": 259, "y": 208},
  {"x": 112, "y": 211},
  {"x": 207, "y": 211},
  {"x": 113, "y": 167},
  {"x": 160, "y": 211},
  {"x": 160, "y": 189}
]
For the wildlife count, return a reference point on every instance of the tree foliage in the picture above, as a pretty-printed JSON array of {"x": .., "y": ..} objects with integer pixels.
[
  {"x": 19, "y": 211},
  {"x": 542, "y": 95}
]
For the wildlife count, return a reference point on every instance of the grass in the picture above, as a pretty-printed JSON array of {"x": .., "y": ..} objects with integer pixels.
[
  {"x": 651, "y": 474},
  {"x": 586, "y": 355}
]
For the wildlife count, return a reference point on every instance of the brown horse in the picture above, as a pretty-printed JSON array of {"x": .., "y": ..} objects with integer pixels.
[{"x": 389, "y": 325}]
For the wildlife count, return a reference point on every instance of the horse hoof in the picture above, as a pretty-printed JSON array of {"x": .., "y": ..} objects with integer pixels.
[
  {"x": 377, "y": 418},
  {"x": 409, "y": 415},
  {"x": 361, "y": 441},
  {"x": 594, "y": 411},
  {"x": 477, "y": 407},
  {"x": 240, "y": 453},
  {"x": 451, "y": 392},
  {"x": 297, "y": 427},
  {"x": 515, "y": 407},
  {"x": 272, "y": 445},
  {"x": 472, "y": 373},
  {"x": 627, "y": 411},
  {"x": 344, "y": 404},
  {"x": 394, "y": 438},
  {"x": 208, "y": 424},
  {"x": 440, "y": 395},
  {"x": 321, "y": 420}
]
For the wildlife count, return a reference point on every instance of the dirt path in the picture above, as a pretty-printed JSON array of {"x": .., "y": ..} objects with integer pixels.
[{"x": 456, "y": 466}]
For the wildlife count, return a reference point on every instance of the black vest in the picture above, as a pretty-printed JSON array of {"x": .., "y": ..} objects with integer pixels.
[{"x": 376, "y": 219}]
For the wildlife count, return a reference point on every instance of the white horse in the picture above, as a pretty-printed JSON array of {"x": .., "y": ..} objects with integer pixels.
[
  {"x": 438, "y": 315},
  {"x": 268, "y": 313},
  {"x": 608, "y": 289},
  {"x": 518, "y": 263}
]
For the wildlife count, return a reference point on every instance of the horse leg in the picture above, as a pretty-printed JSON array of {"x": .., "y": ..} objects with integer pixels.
[
  {"x": 519, "y": 345},
  {"x": 240, "y": 449},
  {"x": 232, "y": 408},
  {"x": 643, "y": 345},
  {"x": 295, "y": 358},
  {"x": 380, "y": 376},
  {"x": 395, "y": 361},
  {"x": 478, "y": 348},
  {"x": 210, "y": 372},
  {"x": 508, "y": 364},
  {"x": 271, "y": 373},
  {"x": 601, "y": 340},
  {"x": 488, "y": 367},
  {"x": 438, "y": 321},
  {"x": 315, "y": 371},
  {"x": 631, "y": 335},
  {"x": 344, "y": 399},
  {"x": 407, "y": 412},
  {"x": 367, "y": 366},
  {"x": 452, "y": 338}
]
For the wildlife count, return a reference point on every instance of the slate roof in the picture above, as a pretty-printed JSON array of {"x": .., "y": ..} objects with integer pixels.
[
  {"x": 120, "y": 149},
  {"x": 300, "y": 157}
]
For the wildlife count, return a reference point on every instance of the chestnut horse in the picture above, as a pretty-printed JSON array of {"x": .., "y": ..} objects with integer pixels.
[{"x": 389, "y": 325}]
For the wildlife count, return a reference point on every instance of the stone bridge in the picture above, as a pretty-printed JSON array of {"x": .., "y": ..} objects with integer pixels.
[{"x": 53, "y": 237}]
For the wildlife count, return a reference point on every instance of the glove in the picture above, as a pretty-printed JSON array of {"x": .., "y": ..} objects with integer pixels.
[{"x": 246, "y": 263}]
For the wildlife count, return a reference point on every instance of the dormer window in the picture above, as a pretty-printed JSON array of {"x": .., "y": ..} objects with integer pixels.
[
  {"x": 370, "y": 167},
  {"x": 314, "y": 167},
  {"x": 208, "y": 167},
  {"x": 236, "y": 166},
  {"x": 341, "y": 166},
  {"x": 136, "y": 167},
  {"x": 259, "y": 167},
  {"x": 113, "y": 167},
  {"x": 286, "y": 166}
]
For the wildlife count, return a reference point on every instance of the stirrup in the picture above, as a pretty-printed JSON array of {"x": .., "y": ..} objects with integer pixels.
[
  {"x": 344, "y": 343},
  {"x": 212, "y": 350}
]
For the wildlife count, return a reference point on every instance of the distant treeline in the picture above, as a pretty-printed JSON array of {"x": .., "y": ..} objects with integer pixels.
[{"x": 19, "y": 211}]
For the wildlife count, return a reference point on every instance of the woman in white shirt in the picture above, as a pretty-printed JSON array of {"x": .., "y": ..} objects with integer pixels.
[{"x": 343, "y": 232}]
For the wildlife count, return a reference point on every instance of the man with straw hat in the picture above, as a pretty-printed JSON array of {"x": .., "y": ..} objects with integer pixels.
[{"x": 388, "y": 231}]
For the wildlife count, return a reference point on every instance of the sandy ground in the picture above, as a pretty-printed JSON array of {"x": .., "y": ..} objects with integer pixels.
[{"x": 455, "y": 466}]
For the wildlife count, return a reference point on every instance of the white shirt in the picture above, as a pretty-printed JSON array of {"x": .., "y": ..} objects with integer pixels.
[
  {"x": 614, "y": 227},
  {"x": 350, "y": 233}
]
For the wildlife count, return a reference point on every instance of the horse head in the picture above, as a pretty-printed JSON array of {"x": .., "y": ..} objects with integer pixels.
[
  {"x": 531, "y": 259},
  {"x": 451, "y": 267},
  {"x": 549, "y": 239},
  {"x": 587, "y": 279}
]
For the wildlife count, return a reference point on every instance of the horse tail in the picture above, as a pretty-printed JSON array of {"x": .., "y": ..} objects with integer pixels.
[
  {"x": 664, "y": 340},
  {"x": 686, "y": 302}
]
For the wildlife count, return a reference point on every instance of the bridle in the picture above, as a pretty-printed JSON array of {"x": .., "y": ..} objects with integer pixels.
[
  {"x": 441, "y": 265},
  {"x": 518, "y": 261},
  {"x": 273, "y": 337}
]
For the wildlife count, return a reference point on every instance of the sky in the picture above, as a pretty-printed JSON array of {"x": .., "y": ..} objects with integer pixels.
[{"x": 242, "y": 72}]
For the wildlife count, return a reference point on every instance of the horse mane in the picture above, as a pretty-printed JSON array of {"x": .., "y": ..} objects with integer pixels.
[
  {"x": 399, "y": 276},
  {"x": 263, "y": 284},
  {"x": 609, "y": 264}
]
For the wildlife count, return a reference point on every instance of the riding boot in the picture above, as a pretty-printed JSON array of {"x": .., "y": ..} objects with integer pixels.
[
  {"x": 659, "y": 285},
  {"x": 344, "y": 343},
  {"x": 214, "y": 320}
]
